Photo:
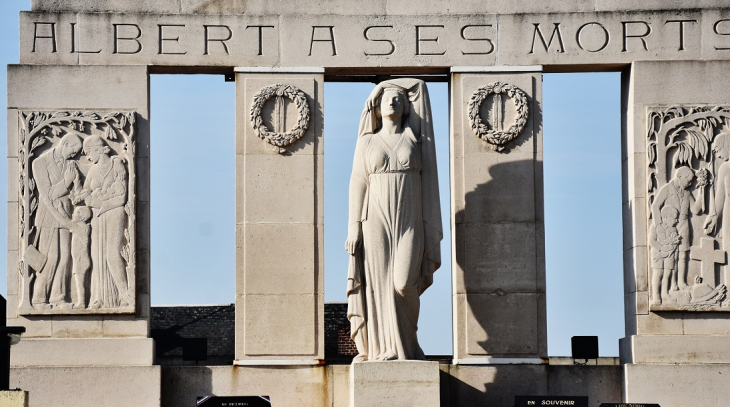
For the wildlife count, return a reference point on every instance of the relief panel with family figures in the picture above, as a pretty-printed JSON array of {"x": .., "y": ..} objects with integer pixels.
[
  {"x": 688, "y": 184},
  {"x": 77, "y": 212}
]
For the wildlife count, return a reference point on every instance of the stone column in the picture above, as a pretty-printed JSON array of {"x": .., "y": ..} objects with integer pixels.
[
  {"x": 103, "y": 348},
  {"x": 279, "y": 215},
  {"x": 46, "y": 106},
  {"x": 497, "y": 216},
  {"x": 676, "y": 115}
]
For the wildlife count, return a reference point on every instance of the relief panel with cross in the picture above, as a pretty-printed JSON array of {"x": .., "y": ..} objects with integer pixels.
[{"x": 688, "y": 182}]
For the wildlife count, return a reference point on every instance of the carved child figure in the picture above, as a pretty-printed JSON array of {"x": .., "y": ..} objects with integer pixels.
[
  {"x": 664, "y": 240},
  {"x": 676, "y": 193},
  {"x": 80, "y": 238}
]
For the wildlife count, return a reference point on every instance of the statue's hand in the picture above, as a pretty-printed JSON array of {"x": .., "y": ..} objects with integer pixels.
[
  {"x": 354, "y": 238},
  {"x": 710, "y": 224},
  {"x": 69, "y": 175}
]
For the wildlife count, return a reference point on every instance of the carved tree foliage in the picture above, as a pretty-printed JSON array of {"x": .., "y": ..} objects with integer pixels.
[
  {"x": 280, "y": 139},
  {"x": 498, "y": 138},
  {"x": 685, "y": 133},
  {"x": 45, "y": 128}
]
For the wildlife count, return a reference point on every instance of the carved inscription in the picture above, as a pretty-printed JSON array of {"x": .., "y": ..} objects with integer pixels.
[
  {"x": 461, "y": 40},
  {"x": 279, "y": 137},
  {"x": 77, "y": 212},
  {"x": 688, "y": 183}
]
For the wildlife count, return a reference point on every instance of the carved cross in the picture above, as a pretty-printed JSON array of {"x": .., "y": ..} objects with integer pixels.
[{"x": 708, "y": 257}]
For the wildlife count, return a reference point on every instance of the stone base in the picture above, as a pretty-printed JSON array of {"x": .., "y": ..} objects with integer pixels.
[
  {"x": 675, "y": 349},
  {"x": 671, "y": 385},
  {"x": 397, "y": 383},
  {"x": 14, "y": 398},
  {"x": 83, "y": 352},
  {"x": 288, "y": 386},
  {"x": 109, "y": 386}
]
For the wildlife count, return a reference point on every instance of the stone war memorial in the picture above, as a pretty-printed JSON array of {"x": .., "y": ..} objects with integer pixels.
[{"x": 79, "y": 198}]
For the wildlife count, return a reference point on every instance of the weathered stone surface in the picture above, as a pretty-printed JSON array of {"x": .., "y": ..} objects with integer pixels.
[
  {"x": 14, "y": 398},
  {"x": 289, "y": 386},
  {"x": 118, "y": 6},
  {"x": 83, "y": 352},
  {"x": 395, "y": 383},
  {"x": 281, "y": 325},
  {"x": 379, "y": 7},
  {"x": 497, "y": 257},
  {"x": 676, "y": 385},
  {"x": 677, "y": 348},
  {"x": 74, "y": 87},
  {"x": 504, "y": 325},
  {"x": 103, "y": 386}
]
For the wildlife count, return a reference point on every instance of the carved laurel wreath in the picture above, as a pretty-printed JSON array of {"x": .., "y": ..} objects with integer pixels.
[
  {"x": 498, "y": 138},
  {"x": 280, "y": 140}
]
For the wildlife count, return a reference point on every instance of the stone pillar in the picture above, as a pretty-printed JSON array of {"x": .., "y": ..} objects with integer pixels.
[
  {"x": 47, "y": 106},
  {"x": 59, "y": 117},
  {"x": 676, "y": 114},
  {"x": 497, "y": 216},
  {"x": 279, "y": 215}
]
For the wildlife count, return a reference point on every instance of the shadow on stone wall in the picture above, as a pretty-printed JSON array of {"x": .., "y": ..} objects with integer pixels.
[{"x": 497, "y": 385}]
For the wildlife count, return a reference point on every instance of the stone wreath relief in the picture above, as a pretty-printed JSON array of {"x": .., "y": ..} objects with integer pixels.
[
  {"x": 689, "y": 214},
  {"x": 494, "y": 133},
  {"x": 279, "y": 138},
  {"x": 77, "y": 212}
]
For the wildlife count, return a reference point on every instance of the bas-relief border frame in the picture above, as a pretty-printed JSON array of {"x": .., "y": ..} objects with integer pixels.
[{"x": 33, "y": 135}]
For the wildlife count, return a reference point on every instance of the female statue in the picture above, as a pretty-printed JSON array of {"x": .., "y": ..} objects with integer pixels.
[{"x": 394, "y": 230}]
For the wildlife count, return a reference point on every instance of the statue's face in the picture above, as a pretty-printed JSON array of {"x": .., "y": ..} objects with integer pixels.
[
  {"x": 93, "y": 153},
  {"x": 392, "y": 103},
  {"x": 669, "y": 219},
  {"x": 70, "y": 149},
  {"x": 722, "y": 153},
  {"x": 685, "y": 180}
]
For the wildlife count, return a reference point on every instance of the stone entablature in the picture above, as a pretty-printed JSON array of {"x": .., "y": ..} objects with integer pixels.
[
  {"x": 374, "y": 7},
  {"x": 365, "y": 40}
]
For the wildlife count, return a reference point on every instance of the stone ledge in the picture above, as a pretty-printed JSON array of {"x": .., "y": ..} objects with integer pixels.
[
  {"x": 109, "y": 386},
  {"x": 675, "y": 349},
  {"x": 83, "y": 352}
]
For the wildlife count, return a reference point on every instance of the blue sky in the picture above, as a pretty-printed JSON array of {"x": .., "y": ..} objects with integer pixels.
[{"x": 192, "y": 119}]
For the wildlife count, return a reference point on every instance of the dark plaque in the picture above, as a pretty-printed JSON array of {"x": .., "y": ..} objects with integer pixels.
[
  {"x": 628, "y": 405},
  {"x": 234, "y": 401},
  {"x": 556, "y": 401}
]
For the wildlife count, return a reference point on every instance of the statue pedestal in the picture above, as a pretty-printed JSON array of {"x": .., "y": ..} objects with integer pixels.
[{"x": 398, "y": 383}]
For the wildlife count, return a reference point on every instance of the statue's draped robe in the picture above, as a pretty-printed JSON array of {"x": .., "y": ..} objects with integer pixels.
[
  {"x": 107, "y": 225},
  {"x": 401, "y": 229}
]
